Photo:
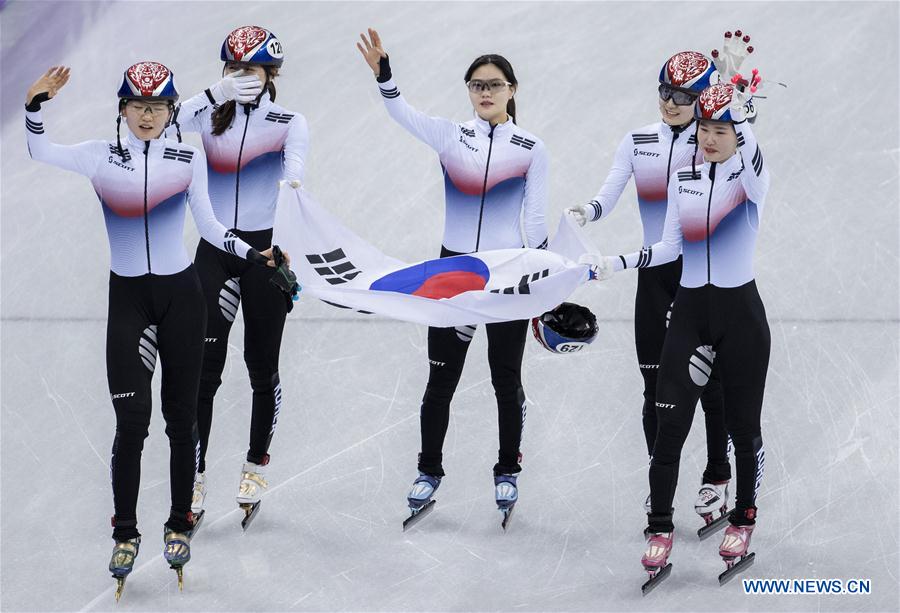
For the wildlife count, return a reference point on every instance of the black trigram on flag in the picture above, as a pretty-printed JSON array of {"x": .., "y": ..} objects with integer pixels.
[
  {"x": 523, "y": 287},
  {"x": 333, "y": 266},
  {"x": 341, "y": 306}
]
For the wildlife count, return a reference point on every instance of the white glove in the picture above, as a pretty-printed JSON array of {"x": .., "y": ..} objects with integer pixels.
[
  {"x": 601, "y": 267},
  {"x": 735, "y": 50},
  {"x": 579, "y": 213},
  {"x": 742, "y": 99},
  {"x": 237, "y": 86}
]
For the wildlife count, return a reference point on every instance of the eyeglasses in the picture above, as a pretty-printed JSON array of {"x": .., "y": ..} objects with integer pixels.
[
  {"x": 145, "y": 108},
  {"x": 494, "y": 85},
  {"x": 679, "y": 96}
]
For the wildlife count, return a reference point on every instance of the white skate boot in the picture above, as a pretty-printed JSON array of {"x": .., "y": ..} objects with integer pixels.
[
  {"x": 711, "y": 499},
  {"x": 198, "y": 498},
  {"x": 253, "y": 484}
]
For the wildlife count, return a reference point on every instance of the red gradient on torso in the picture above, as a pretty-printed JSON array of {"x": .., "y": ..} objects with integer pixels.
[
  {"x": 469, "y": 179},
  {"x": 693, "y": 218},
  {"x": 222, "y": 155},
  {"x": 128, "y": 201},
  {"x": 650, "y": 186}
]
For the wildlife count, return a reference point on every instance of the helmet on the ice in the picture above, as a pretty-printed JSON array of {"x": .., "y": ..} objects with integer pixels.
[
  {"x": 689, "y": 70},
  {"x": 148, "y": 81},
  {"x": 714, "y": 103},
  {"x": 252, "y": 45},
  {"x": 566, "y": 329}
]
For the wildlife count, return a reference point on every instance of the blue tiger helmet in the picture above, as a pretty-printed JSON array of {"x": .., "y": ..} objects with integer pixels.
[
  {"x": 148, "y": 81},
  {"x": 714, "y": 104},
  {"x": 252, "y": 45},
  {"x": 689, "y": 70}
]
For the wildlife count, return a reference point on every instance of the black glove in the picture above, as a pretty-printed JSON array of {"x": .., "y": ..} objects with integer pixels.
[
  {"x": 255, "y": 257},
  {"x": 384, "y": 70},
  {"x": 284, "y": 278}
]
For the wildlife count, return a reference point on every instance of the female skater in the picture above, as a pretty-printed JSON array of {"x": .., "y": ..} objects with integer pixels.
[
  {"x": 718, "y": 317},
  {"x": 495, "y": 181},
  {"x": 650, "y": 154},
  {"x": 155, "y": 300},
  {"x": 251, "y": 144}
]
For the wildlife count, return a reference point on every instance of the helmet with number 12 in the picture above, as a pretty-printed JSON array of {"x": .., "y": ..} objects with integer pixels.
[{"x": 253, "y": 45}]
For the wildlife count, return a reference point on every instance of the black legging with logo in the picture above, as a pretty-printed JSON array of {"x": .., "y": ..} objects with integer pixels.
[
  {"x": 228, "y": 282},
  {"x": 656, "y": 290},
  {"x": 447, "y": 348},
  {"x": 731, "y": 323},
  {"x": 150, "y": 316}
]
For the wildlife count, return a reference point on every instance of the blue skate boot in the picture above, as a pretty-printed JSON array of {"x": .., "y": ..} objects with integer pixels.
[
  {"x": 507, "y": 493},
  {"x": 420, "y": 498}
]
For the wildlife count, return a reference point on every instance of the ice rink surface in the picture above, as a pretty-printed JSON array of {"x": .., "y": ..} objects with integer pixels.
[{"x": 328, "y": 536}]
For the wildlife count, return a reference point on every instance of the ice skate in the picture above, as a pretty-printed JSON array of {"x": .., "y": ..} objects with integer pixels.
[
  {"x": 198, "y": 498},
  {"x": 506, "y": 493},
  {"x": 656, "y": 559},
  {"x": 734, "y": 551},
  {"x": 712, "y": 498},
  {"x": 253, "y": 484},
  {"x": 177, "y": 552},
  {"x": 122, "y": 562},
  {"x": 420, "y": 498}
]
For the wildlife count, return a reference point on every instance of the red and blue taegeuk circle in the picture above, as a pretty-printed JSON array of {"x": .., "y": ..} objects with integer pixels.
[{"x": 436, "y": 279}]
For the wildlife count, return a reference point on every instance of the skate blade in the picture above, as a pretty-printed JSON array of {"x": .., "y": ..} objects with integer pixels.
[
  {"x": 180, "y": 572},
  {"x": 120, "y": 587},
  {"x": 198, "y": 519},
  {"x": 418, "y": 516},
  {"x": 712, "y": 527},
  {"x": 743, "y": 564},
  {"x": 507, "y": 516},
  {"x": 250, "y": 511},
  {"x": 656, "y": 579}
]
